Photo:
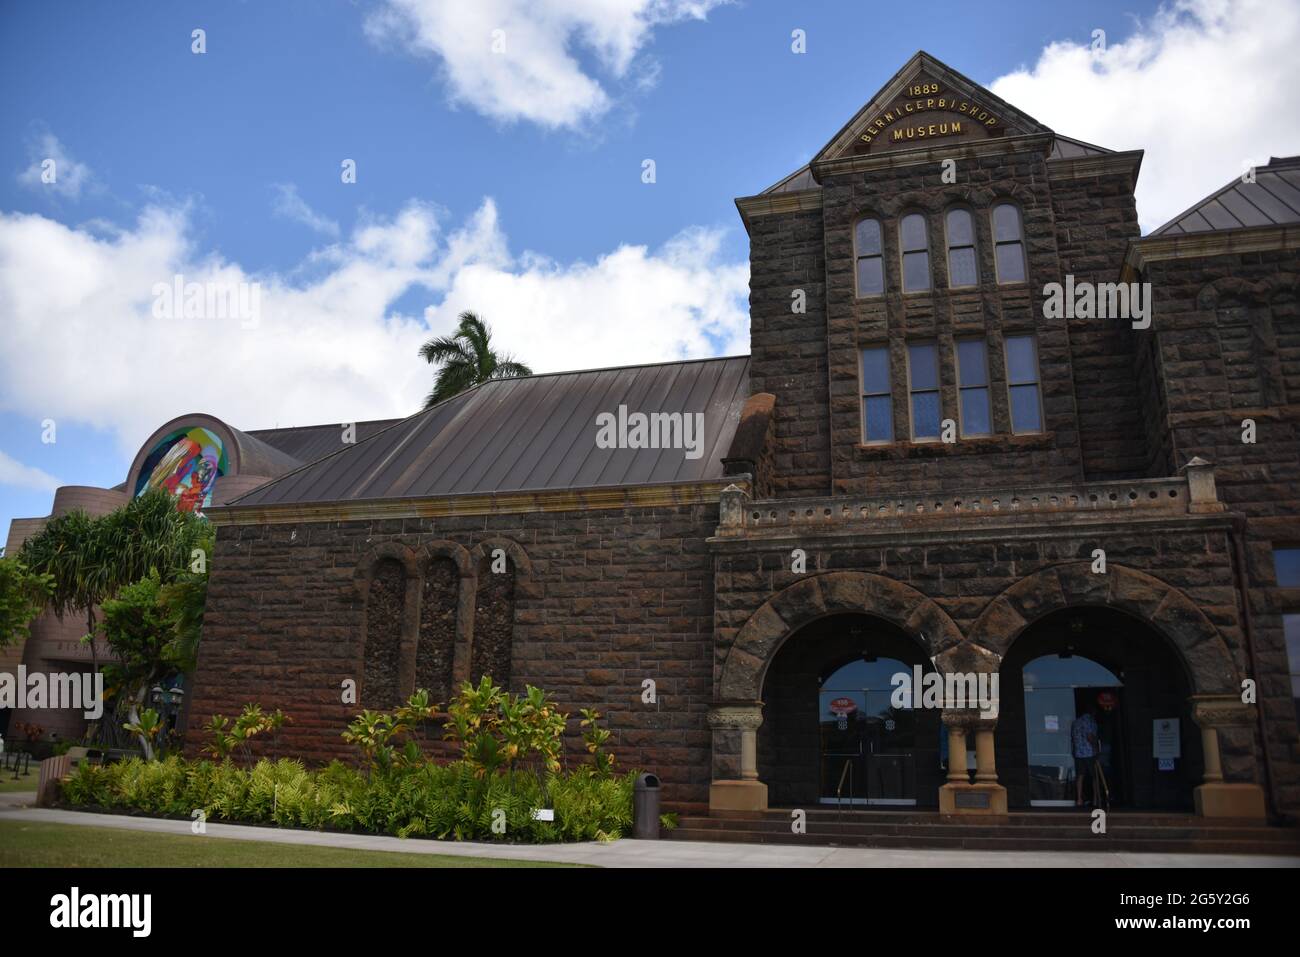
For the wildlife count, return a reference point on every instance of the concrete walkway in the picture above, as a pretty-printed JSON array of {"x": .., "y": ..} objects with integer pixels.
[{"x": 629, "y": 853}]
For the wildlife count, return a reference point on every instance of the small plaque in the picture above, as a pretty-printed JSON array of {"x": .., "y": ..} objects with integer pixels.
[
  {"x": 971, "y": 799},
  {"x": 544, "y": 814}
]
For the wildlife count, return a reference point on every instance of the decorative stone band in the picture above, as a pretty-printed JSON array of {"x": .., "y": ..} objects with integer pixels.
[
  {"x": 743, "y": 717},
  {"x": 1221, "y": 711},
  {"x": 1195, "y": 493},
  {"x": 504, "y": 503}
]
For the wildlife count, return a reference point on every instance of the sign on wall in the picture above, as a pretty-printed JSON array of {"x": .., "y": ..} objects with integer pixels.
[{"x": 1166, "y": 741}]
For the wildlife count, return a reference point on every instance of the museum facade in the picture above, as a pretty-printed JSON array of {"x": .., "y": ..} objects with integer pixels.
[{"x": 986, "y": 429}]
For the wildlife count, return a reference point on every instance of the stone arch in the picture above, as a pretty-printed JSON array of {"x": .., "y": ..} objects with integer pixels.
[
  {"x": 1163, "y": 607},
  {"x": 494, "y": 599},
  {"x": 446, "y": 618},
  {"x": 389, "y": 624},
  {"x": 817, "y": 596},
  {"x": 514, "y": 551}
]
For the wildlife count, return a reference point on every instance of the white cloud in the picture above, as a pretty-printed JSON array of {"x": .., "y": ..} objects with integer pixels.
[
  {"x": 516, "y": 60},
  {"x": 49, "y": 159},
  {"x": 13, "y": 472},
  {"x": 1204, "y": 87},
  {"x": 289, "y": 205},
  {"x": 82, "y": 342}
]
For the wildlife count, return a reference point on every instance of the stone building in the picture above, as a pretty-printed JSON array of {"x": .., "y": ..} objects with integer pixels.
[{"x": 931, "y": 463}]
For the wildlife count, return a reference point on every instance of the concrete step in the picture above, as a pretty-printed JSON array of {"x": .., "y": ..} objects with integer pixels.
[
  {"x": 1133, "y": 832},
  {"x": 1004, "y": 843}
]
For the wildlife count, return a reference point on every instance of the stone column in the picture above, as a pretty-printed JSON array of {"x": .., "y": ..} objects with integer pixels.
[
  {"x": 957, "y": 771},
  {"x": 986, "y": 771},
  {"x": 1216, "y": 797},
  {"x": 735, "y": 785}
]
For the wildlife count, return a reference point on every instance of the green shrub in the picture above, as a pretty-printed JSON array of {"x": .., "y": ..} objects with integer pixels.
[{"x": 510, "y": 768}]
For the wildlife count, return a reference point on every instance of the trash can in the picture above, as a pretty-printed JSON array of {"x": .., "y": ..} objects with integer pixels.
[{"x": 645, "y": 808}]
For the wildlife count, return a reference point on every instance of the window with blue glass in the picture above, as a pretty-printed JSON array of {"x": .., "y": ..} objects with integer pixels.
[
  {"x": 1286, "y": 565},
  {"x": 870, "y": 256},
  {"x": 923, "y": 389},
  {"x": 877, "y": 401},
  {"x": 973, "y": 387},
  {"x": 915, "y": 243},
  {"x": 1022, "y": 384},
  {"x": 960, "y": 230}
]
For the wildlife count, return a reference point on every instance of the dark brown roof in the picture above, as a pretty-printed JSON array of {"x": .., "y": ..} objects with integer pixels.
[
  {"x": 1273, "y": 199},
  {"x": 310, "y": 442},
  {"x": 532, "y": 433}
]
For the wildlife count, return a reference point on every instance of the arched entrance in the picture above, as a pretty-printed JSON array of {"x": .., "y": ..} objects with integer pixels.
[
  {"x": 739, "y": 710},
  {"x": 833, "y": 732},
  {"x": 1126, "y": 675}
]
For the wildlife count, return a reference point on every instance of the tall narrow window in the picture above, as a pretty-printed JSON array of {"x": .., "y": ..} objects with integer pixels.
[
  {"x": 923, "y": 387},
  {"x": 916, "y": 253},
  {"x": 382, "y": 654},
  {"x": 973, "y": 387},
  {"x": 436, "y": 650},
  {"x": 962, "y": 268},
  {"x": 1291, "y": 631},
  {"x": 494, "y": 623},
  {"x": 877, "y": 401},
  {"x": 1022, "y": 384},
  {"x": 870, "y": 255},
  {"x": 1008, "y": 243},
  {"x": 1286, "y": 565}
]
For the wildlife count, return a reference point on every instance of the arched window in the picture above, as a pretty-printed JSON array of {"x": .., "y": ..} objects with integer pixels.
[
  {"x": 494, "y": 619},
  {"x": 915, "y": 243},
  {"x": 1008, "y": 243},
  {"x": 436, "y": 649},
  {"x": 385, "y": 613},
  {"x": 870, "y": 256},
  {"x": 960, "y": 232}
]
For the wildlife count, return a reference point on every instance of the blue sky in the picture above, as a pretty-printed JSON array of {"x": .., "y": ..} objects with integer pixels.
[{"x": 509, "y": 182}]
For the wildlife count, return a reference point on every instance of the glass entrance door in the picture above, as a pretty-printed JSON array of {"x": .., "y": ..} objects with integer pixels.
[
  {"x": 1057, "y": 688},
  {"x": 868, "y": 746}
]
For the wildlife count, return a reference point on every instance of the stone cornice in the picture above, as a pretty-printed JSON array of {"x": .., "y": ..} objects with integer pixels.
[
  {"x": 970, "y": 529},
  {"x": 766, "y": 204},
  {"x": 1081, "y": 167},
  {"x": 1218, "y": 242},
  {"x": 1040, "y": 142},
  {"x": 504, "y": 503}
]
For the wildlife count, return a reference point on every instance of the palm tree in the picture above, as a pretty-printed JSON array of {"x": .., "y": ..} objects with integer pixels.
[{"x": 467, "y": 359}]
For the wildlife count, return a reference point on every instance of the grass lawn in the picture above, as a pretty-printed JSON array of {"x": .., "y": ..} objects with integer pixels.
[
  {"x": 25, "y": 782},
  {"x": 72, "y": 845}
]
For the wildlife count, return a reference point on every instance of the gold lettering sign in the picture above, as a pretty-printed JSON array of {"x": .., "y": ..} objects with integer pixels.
[{"x": 923, "y": 98}]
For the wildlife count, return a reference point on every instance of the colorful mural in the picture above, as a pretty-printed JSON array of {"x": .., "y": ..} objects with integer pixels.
[{"x": 186, "y": 463}]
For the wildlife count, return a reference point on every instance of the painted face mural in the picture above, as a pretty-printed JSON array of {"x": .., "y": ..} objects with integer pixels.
[{"x": 186, "y": 463}]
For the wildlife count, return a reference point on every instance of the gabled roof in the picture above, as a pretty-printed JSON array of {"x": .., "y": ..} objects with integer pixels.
[
  {"x": 1272, "y": 200},
  {"x": 1009, "y": 120},
  {"x": 1063, "y": 147},
  {"x": 529, "y": 434},
  {"x": 922, "y": 64}
]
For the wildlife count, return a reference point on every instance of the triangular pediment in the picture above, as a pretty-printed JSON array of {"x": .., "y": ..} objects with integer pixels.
[{"x": 927, "y": 104}]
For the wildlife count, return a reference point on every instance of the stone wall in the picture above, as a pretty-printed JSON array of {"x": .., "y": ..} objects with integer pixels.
[
  {"x": 609, "y": 599},
  {"x": 1226, "y": 336},
  {"x": 788, "y": 349}
]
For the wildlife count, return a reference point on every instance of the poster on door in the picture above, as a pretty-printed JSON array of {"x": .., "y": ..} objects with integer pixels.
[{"x": 1166, "y": 741}]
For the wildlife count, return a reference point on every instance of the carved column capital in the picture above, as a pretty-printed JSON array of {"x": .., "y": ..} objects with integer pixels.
[
  {"x": 743, "y": 717},
  {"x": 1220, "y": 711}
]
